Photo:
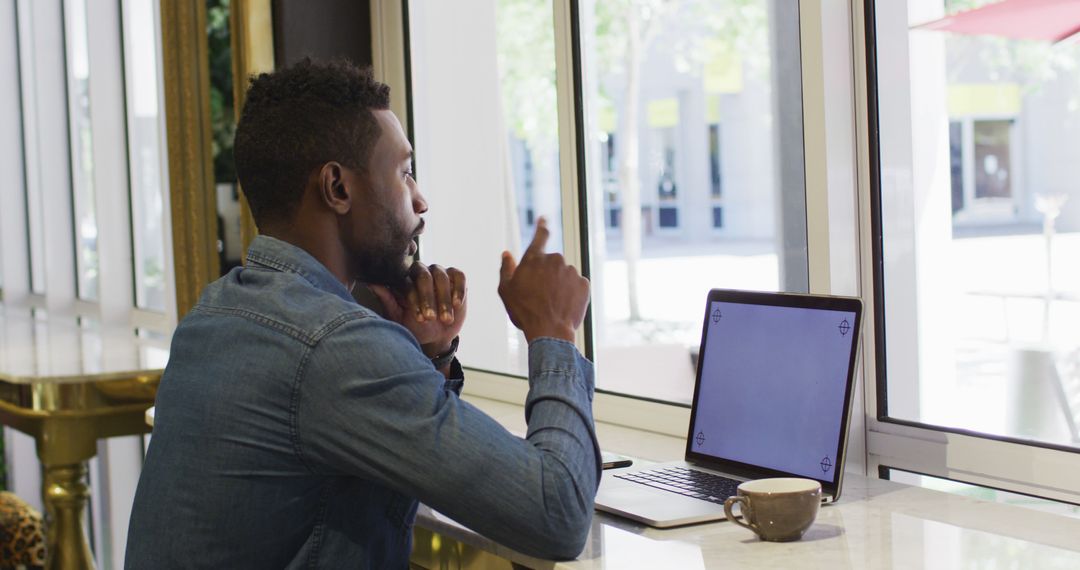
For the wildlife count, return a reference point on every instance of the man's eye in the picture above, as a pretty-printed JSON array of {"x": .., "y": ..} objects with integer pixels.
[{"x": 406, "y": 174}]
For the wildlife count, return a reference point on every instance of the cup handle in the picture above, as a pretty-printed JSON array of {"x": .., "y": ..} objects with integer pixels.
[{"x": 744, "y": 506}]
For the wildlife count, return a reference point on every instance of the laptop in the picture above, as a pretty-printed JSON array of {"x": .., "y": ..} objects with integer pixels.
[{"x": 772, "y": 398}]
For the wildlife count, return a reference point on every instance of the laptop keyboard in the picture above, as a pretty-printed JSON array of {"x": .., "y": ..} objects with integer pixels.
[{"x": 696, "y": 484}]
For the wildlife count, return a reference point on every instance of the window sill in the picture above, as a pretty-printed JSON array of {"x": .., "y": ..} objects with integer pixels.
[{"x": 619, "y": 439}]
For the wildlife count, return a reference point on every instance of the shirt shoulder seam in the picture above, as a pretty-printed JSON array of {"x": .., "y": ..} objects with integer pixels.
[
  {"x": 336, "y": 323},
  {"x": 290, "y": 330}
]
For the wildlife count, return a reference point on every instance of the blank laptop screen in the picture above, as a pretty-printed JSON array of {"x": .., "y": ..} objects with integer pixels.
[{"x": 772, "y": 388}]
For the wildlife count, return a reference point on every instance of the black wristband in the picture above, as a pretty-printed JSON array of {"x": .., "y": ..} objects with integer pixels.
[{"x": 443, "y": 359}]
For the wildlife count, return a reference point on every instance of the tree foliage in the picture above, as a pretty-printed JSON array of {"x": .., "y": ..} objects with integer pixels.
[
  {"x": 1031, "y": 63},
  {"x": 624, "y": 34},
  {"x": 525, "y": 48},
  {"x": 222, "y": 114}
]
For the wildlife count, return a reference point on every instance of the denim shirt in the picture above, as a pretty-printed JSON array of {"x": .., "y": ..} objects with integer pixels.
[{"x": 297, "y": 429}]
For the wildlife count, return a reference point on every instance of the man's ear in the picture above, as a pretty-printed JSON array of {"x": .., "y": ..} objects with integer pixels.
[{"x": 333, "y": 188}]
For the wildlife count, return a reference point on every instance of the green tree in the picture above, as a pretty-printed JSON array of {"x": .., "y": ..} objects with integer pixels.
[
  {"x": 222, "y": 117},
  {"x": 1032, "y": 63},
  {"x": 623, "y": 33},
  {"x": 525, "y": 48},
  {"x": 626, "y": 31}
]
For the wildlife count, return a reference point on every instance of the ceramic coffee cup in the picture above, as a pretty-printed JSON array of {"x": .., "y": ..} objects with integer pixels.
[{"x": 777, "y": 510}]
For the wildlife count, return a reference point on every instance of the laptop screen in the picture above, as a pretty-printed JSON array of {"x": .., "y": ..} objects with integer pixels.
[{"x": 773, "y": 384}]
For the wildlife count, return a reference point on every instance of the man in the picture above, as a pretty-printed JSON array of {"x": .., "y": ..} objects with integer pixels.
[{"x": 296, "y": 428}]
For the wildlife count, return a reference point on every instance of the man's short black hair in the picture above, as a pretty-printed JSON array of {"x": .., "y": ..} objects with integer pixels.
[{"x": 295, "y": 120}]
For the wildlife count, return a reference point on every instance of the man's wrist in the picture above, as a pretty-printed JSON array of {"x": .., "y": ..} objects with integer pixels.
[
  {"x": 560, "y": 332},
  {"x": 433, "y": 349},
  {"x": 443, "y": 357}
]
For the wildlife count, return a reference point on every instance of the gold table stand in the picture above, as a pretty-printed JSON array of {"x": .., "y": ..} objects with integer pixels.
[{"x": 66, "y": 417}]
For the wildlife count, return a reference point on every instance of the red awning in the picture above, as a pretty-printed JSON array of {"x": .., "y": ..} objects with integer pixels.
[{"x": 1048, "y": 20}]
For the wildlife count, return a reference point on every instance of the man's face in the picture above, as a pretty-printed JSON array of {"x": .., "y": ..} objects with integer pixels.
[{"x": 385, "y": 216}]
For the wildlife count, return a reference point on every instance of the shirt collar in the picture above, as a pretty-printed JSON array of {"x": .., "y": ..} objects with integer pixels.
[{"x": 283, "y": 256}]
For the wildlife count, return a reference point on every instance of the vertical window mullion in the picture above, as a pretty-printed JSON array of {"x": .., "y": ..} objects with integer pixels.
[
  {"x": 571, "y": 146},
  {"x": 812, "y": 59},
  {"x": 14, "y": 245},
  {"x": 109, "y": 117}
]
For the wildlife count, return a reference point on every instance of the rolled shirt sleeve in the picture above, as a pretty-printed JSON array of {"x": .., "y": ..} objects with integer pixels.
[{"x": 370, "y": 404}]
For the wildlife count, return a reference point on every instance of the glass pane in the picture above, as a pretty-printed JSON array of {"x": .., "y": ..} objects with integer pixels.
[
  {"x": 675, "y": 211},
  {"x": 82, "y": 157},
  {"x": 35, "y": 220},
  {"x": 981, "y": 224},
  {"x": 487, "y": 156},
  {"x": 143, "y": 80}
]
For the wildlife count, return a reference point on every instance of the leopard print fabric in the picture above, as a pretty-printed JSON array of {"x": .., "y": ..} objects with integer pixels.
[{"x": 22, "y": 534}]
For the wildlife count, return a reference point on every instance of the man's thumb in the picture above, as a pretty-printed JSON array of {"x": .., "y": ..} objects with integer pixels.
[{"x": 508, "y": 267}]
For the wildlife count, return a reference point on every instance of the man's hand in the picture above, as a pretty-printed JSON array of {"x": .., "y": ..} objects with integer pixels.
[
  {"x": 432, "y": 305},
  {"x": 543, "y": 295}
]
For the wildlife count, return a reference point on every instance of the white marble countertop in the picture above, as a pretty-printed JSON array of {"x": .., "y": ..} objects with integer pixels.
[{"x": 876, "y": 524}]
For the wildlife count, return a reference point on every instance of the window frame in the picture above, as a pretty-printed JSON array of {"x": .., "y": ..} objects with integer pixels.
[
  {"x": 390, "y": 48},
  {"x": 1010, "y": 464}
]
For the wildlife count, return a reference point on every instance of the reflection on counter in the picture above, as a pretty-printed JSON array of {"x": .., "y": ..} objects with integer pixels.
[
  {"x": 621, "y": 551},
  {"x": 66, "y": 349},
  {"x": 876, "y": 524}
]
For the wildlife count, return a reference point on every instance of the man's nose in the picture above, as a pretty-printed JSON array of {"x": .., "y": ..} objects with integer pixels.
[{"x": 419, "y": 204}]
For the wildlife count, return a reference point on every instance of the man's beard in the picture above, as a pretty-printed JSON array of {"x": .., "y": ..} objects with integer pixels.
[
  {"x": 386, "y": 263},
  {"x": 384, "y": 266}
]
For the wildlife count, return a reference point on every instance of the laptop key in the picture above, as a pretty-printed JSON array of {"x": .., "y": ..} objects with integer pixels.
[{"x": 696, "y": 484}]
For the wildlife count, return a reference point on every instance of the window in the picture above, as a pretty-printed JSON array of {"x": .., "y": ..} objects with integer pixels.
[
  {"x": 977, "y": 299},
  {"x": 981, "y": 175},
  {"x": 664, "y": 84},
  {"x": 992, "y": 159},
  {"x": 710, "y": 144},
  {"x": 82, "y": 157},
  {"x": 145, "y": 152},
  {"x": 82, "y": 90},
  {"x": 956, "y": 165},
  {"x": 610, "y": 178},
  {"x": 716, "y": 177},
  {"x": 37, "y": 125},
  {"x": 658, "y": 91},
  {"x": 487, "y": 144}
]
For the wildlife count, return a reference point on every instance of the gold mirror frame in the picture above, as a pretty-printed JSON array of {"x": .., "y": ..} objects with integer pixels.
[
  {"x": 186, "y": 70},
  {"x": 187, "y": 126},
  {"x": 251, "y": 26}
]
